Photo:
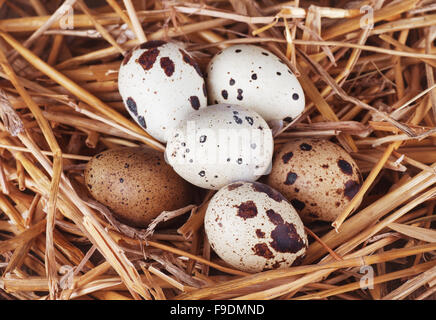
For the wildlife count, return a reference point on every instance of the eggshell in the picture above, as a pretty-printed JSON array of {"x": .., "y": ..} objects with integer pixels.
[
  {"x": 253, "y": 77},
  {"x": 136, "y": 184},
  {"x": 253, "y": 228},
  {"x": 221, "y": 144},
  {"x": 160, "y": 83},
  {"x": 319, "y": 177}
]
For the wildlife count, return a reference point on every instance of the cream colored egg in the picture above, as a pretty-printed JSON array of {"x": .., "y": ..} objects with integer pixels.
[
  {"x": 136, "y": 184},
  {"x": 317, "y": 176},
  {"x": 221, "y": 144},
  {"x": 253, "y": 228},
  {"x": 160, "y": 83},
  {"x": 254, "y": 77}
]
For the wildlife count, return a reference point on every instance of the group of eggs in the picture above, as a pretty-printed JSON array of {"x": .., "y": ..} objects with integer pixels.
[{"x": 226, "y": 145}]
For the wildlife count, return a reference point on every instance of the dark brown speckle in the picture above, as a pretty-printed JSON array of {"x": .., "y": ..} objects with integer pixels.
[
  {"x": 290, "y": 178},
  {"x": 141, "y": 121},
  {"x": 351, "y": 188},
  {"x": 247, "y": 210},
  {"x": 148, "y": 58},
  {"x": 152, "y": 44},
  {"x": 262, "y": 250},
  {"x": 131, "y": 104},
  {"x": 305, "y": 147},
  {"x": 287, "y": 156},
  {"x": 167, "y": 65},
  {"x": 240, "y": 97},
  {"x": 233, "y": 186},
  {"x": 276, "y": 265},
  {"x": 187, "y": 58},
  {"x": 225, "y": 94},
  {"x": 274, "y": 217},
  {"x": 270, "y": 192},
  {"x": 249, "y": 120},
  {"x": 260, "y": 233},
  {"x": 204, "y": 90},
  {"x": 345, "y": 167},
  {"x": 237, "y": 119},
  {"x": 286, "y": 239},
  {"x": 195, "y": 102}
]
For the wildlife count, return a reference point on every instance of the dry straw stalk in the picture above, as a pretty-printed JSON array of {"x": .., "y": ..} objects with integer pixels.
[{"x": 370, "y": 89}]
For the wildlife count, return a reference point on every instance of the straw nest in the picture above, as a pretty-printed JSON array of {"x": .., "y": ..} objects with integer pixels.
[{"x": 368, "y": 88}]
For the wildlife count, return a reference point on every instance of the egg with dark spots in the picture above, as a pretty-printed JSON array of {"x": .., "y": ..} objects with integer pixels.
[
  {"x": 258, "y": 228},
  {"x": 160, "y": 83},
  {"x": 317, "y": 176},
  {"x": 136, "y": 184},
  {"x": 253, "y": 77},
  {"x": 221, "y": 144}
]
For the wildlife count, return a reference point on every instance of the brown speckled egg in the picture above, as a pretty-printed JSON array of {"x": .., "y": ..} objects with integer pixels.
[
  {"x": 253, "y": 227},
  {"x": 136, "y": 184},
  {"x": 161, "y": 83},
  {"x": 317, "y": 176}
]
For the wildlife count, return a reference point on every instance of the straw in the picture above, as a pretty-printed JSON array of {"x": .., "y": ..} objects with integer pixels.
[{"x": 368, "y": 88}]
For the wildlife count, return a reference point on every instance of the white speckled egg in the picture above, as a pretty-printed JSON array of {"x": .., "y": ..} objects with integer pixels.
[
  {"x": 253, "y": 228},
  {"x": 253, "y": 77},
  {"x": 221, "y": 144},
  {"x": 317, "y": 176},
  {"x": 160, "y": 83}
]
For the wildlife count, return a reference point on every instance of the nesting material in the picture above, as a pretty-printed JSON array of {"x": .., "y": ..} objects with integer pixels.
[{"x": 367, "y": 73}]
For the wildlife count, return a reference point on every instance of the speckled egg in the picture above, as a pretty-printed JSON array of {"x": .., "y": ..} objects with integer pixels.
[
  {"x": 136, "y": 184},
  {"x": 253, "y": 228},
  {"x": 253, "y": 77},
  {"x": 160, "y": 83},
  {"x": 221, "y": 144},
  {"x": 317, "y": 176}
]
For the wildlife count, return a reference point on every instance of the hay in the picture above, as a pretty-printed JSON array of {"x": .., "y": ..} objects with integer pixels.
[{"x": 370, "y": 89}]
